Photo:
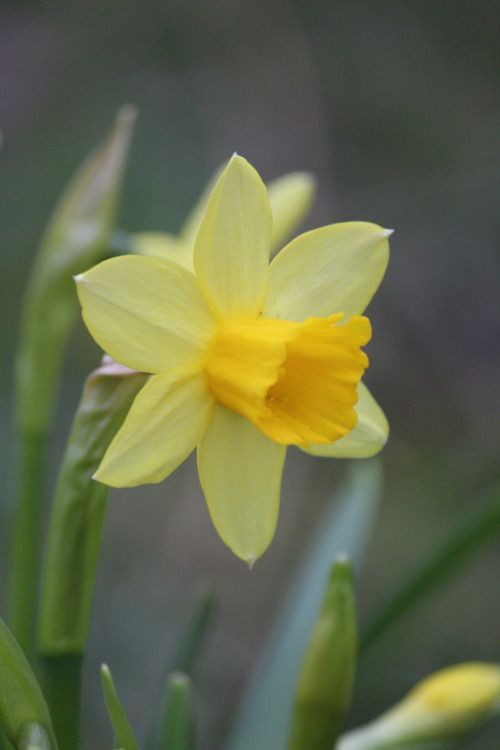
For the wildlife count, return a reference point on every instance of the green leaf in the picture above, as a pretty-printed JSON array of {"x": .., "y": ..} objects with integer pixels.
[
  {"x": 463, "y": 542},
  {"x": 33, "y": 737},
  {"x": 324, "y": 687},
  {"x": 177, "y": 731},
  {"x": 124, "y": 736},
  {"x": 192, "y": 641},
  {"x": 76, "y": 238},
  {"x": 344, "y": 528},
  {"x": 21, "y": 699},
  {"x": 186, "y": 659}
]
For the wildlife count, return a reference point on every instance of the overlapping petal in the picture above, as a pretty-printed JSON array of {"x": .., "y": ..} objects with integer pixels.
[
  {"x": 163, "y": 245},
  {"x": 147, "y": 313},
  {"x": 366, "y": 439},
  {"x": 290, "y": 197},
  {"x": 232, "y": 247},
  {"x": 240, "y": 472},
  {"x": 164, "y": 425},
  {"x": 337, "y": 268}
]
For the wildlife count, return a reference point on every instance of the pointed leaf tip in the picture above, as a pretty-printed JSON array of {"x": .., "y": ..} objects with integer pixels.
[{"x": 124, "y": 736}]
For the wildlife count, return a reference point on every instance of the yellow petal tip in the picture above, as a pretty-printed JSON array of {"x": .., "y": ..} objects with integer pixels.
[
  {"x": 387, "y": 232},
  {"x": 250, "y": 562}
]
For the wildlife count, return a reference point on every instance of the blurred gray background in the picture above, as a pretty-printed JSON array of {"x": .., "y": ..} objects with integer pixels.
[{"x": 395, "y": 107}]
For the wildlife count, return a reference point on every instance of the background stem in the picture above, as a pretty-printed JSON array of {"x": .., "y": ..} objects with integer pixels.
[
  {"x": 462, "y": 543},
  {"x": 25, "y": 544}
]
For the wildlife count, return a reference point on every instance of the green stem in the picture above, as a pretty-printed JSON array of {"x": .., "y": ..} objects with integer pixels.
[
  {"x": 62, "y": 680},
  {"x": 460, "y": 546},
  {"x": 25, "y": 542}
]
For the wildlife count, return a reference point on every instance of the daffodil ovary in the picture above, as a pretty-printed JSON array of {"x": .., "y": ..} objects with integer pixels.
[{"x": 296, "y": 381}]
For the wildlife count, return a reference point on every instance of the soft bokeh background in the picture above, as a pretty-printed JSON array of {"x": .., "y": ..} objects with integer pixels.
[{"x": 395, "y": 107}]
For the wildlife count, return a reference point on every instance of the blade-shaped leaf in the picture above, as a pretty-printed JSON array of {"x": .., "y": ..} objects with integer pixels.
[
  {"x": 124, "y": 736},
  {"x": 185, "y": 660},
  {"x": 463, "y": 542}
]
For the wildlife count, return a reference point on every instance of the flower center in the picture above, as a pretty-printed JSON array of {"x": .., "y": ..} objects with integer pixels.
[{"x": 297, "y": 382}]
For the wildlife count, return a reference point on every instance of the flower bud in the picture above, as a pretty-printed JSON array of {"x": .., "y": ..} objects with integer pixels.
[
  {"x": 325, "y": 681},
  {"x": 443, "y": 708}
]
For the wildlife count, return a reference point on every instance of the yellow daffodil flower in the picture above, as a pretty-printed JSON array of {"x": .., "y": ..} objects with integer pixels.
[
  {"x": 290, "y": 197},
  {"x": 246, "y": 358}
]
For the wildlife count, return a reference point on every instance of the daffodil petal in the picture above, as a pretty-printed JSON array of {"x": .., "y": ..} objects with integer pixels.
[
  {"x": 147, "y": 313},
  {"x": 163, "y": 245},
  {"x": 165, "y": 423},
  {"x": 337, "y": 268},
  {"x": 240, "y": 472},
  {"x": 231, "y": 253},
  {"x": 291, "y": 197},
  {"x": 366, "y": 439}
]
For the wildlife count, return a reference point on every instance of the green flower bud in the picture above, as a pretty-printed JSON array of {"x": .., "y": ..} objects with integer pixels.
[{"x": 324, "y": 687}]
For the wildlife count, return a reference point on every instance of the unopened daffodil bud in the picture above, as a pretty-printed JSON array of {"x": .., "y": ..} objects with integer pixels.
[
  {"x": 443, "y": 708},
  {"x": 324, "y": 687}
]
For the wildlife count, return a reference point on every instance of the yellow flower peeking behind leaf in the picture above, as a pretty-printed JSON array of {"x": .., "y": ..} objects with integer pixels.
[
  {"x": 246, "y": 358},
  {"x": 290, "y": 197}
]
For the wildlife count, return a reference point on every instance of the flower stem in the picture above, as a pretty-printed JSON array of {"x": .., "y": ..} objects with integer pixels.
[
  {"x": 62, "y": 680},
  {"x": 25, "y": 543},
  {"x": 463, "y": 542}
]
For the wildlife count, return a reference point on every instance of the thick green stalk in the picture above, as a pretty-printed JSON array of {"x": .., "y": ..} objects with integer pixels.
[
  {"x": 62, "y": 680},
  {"x": 76, "y": 237},
  {"x": 24, "y": 556},
  {"x": 74, "y": 540}
]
